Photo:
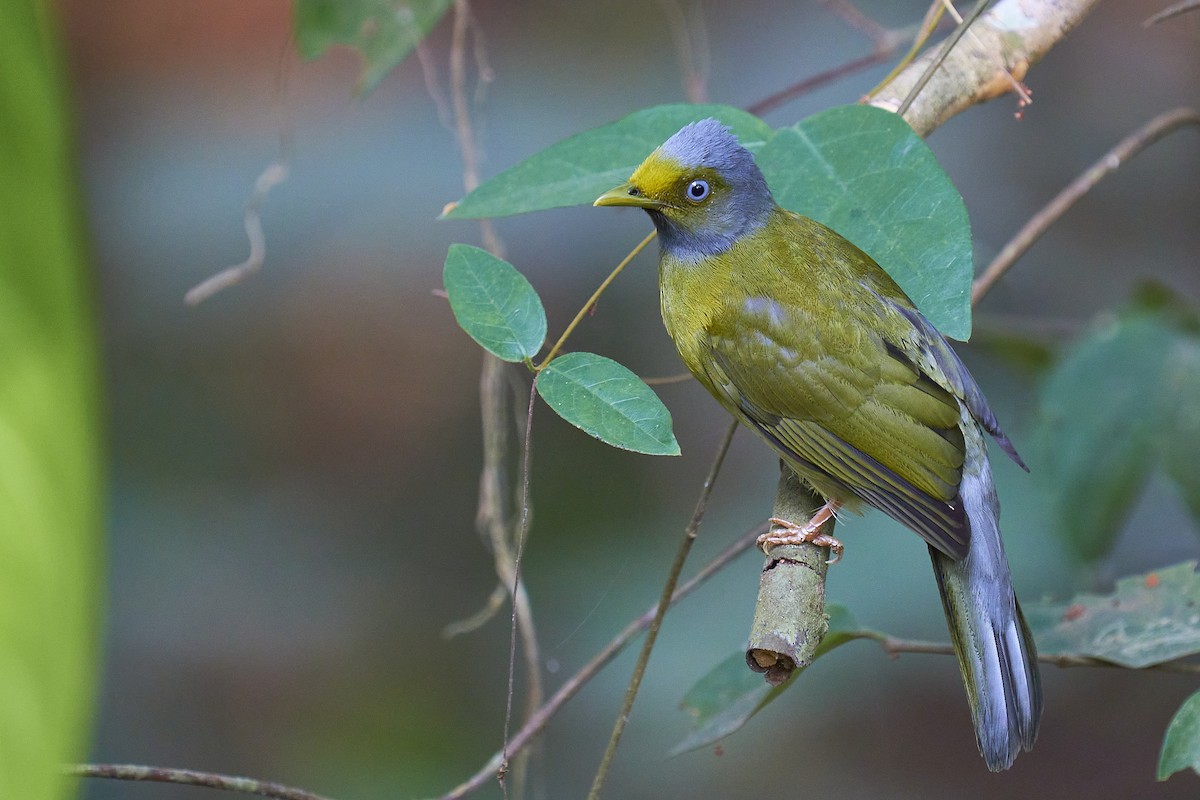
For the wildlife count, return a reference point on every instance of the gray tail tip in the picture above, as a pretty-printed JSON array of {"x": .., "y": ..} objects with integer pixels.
[{"x": 1022, "y": 688}]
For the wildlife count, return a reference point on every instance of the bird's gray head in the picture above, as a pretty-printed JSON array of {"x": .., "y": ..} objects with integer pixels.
[{"x": 702, "y": 190}]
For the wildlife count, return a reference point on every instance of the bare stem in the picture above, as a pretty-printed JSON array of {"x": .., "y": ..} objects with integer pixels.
[
  {"x": 1126, "y": 149},
  {"x": 639, "y": 670},
  {"x": 190, "y": 777}
]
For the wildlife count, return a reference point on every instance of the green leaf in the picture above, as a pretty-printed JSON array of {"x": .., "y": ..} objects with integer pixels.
[
  {"x": 383, "y": 32},
  {"x": 1149, "y": 619},
  {"x": 726, "y": 698},
  {"x": 494, "y": 303},
  {"x": 51, "y": 492},
  {"x": 1118, "y": 404},
  {"x": 864, "y": 172},
  {"x": 603, "y": 398},
  {"x": 1181, "y": 744},
  {"x": 578, "y": 170}
]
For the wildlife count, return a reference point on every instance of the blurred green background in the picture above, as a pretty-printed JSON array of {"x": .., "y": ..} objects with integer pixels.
[{"x": 294, "y": 463}]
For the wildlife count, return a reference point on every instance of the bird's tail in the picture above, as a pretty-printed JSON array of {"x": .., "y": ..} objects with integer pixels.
[{"x": 995, "y": 650}]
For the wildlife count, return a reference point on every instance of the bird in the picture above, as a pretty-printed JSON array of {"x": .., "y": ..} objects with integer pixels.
[{"x": 808, "y": 342}]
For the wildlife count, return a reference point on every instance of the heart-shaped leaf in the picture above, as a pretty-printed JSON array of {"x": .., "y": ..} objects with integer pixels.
[{"x": 864, "y": 172}]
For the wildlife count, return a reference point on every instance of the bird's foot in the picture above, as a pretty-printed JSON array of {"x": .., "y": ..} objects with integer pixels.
[{"x": 786, "y": 532}]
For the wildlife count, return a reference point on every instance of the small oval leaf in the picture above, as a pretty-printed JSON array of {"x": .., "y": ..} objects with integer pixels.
[
  {"x": 606, "y": 400},
  {"x": 494, "y": 303},
  {"x": 1181, "y": 744},
  {"x": 576, "y": 170}
]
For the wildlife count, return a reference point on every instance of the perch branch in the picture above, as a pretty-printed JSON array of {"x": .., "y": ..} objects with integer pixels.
[{"x": 1007, "y": 40}]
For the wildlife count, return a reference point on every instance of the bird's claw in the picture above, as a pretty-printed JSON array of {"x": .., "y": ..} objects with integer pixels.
[{"x": 785, "y": 532}]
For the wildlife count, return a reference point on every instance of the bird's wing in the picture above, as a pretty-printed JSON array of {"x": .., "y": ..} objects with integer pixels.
[
  {"x": 929, "y": 351},
  {"x": 851, "y": 408}
]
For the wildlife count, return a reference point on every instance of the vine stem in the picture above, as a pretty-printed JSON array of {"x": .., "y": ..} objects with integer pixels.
[
  {"x": 639, "y": 670},
  {"x": 612, "y": 276},
  {"x": 894, "y": 647},
  {"x": 1127, "y": 148}
]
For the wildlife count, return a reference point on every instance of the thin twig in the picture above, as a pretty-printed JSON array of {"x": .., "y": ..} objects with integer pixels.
[
  {"x": 664, "y": 380},
  {"x": 1128, "y": 147},
  {"x": 933, "y": 16},
  {"x": 571, "y": 687},
  {"x": 894, "y": 647},
  {"x": 1172, "y": 11},
  {"x": 583, "y": 312},
  {"x": 190, "y": 777},
  {"x": 877, "y": 33},
  {"x": 773, "y": 101},
  {"x": 522, "y": 535},
  {"x": 639, "y": 669}
]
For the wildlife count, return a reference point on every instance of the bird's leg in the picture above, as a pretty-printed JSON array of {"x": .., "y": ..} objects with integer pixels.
[{"x": 785, "y": 532}]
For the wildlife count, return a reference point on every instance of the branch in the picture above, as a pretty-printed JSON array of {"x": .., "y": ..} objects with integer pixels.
[
  {"x": 1126, "y": 149},
  {"x": 1005, "y": 42},
  {"x": 191, "y": 777}
]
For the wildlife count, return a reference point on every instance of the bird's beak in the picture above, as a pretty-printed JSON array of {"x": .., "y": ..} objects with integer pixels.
[{"x": 627, "y": 195}]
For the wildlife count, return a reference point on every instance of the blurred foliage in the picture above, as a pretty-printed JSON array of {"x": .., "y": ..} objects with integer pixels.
[
  {"x": 1138, "y": 373},
  {"x": 383, "y": 32},
  {"x": 1147, "y": 619},
  {"x": 50, "y": 513}
]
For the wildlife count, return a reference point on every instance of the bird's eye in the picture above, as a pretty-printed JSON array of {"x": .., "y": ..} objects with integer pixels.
[{"x": 697, "y": 191}]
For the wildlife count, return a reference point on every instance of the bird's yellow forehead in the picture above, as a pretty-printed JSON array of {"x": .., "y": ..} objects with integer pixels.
[{"x": 657, "y": 175}]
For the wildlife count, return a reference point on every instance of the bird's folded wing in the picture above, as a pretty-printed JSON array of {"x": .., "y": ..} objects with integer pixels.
[
  {"x": 932, "y": 353},
  {"x": 867, "y": 418}
]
